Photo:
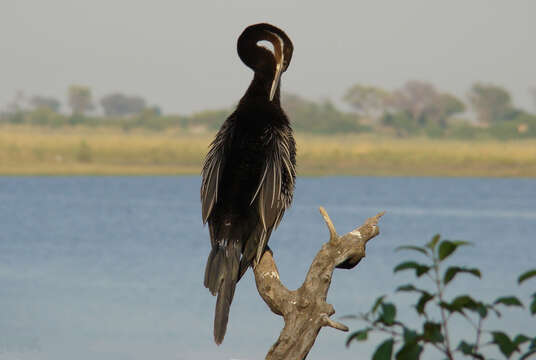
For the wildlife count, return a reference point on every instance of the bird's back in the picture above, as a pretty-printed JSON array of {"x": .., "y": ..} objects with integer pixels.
[
  {"x": 248, "y": 151},
  {"x": 248, "y": 148},
  {"x": 241, "y": 202}
]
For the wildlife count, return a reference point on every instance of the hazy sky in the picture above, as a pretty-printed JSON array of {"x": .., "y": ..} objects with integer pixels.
[{"x": 182, "y": 56}]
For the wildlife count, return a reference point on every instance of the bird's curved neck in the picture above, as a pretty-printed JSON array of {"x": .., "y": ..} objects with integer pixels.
[
  {"x": 258, "y": 88},
  {"x": 267, "y": 65}
]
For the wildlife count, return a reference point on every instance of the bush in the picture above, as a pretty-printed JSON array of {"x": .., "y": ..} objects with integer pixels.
[
  {"x": 324, "y": 117},
  {"x": 402, "y": 122},
  {"x": 463, "y": 131},
  {"x": 522, "y": 126},
  {"x": 433, "y": 333}
]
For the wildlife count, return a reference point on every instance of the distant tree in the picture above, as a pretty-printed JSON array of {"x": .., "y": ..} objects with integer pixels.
[
  {"x": 415, "y": 97},
  {"x": 120, "y": 105},
  {"x": 402, "y": 123},
  {"x": 44, "y": 102},
  {"x": 492, "y": 103},
  {"x": 369, "y": 101},
  {"x": 80, "y": 99},
  {"x": 424, "y": 104},
  {"x": 319, "y": 117},
  {"x": 448, "y": 105}
]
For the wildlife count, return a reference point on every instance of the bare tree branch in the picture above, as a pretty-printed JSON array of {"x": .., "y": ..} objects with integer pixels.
[{"x": 305, "y": 309}]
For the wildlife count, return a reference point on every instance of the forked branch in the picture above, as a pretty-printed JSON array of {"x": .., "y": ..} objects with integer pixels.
[{"x": 305, "y": 309}]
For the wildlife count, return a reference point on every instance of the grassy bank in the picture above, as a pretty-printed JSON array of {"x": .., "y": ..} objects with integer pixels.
[{"x": 103, "y": 151}]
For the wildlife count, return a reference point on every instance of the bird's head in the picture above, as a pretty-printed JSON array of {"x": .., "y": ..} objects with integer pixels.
[{"x": 267, "y": 64}]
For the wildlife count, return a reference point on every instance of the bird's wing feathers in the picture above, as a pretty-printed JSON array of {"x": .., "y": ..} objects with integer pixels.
[
  {"x": 274, "y": 193},
  {"x": 212, "y": 170}
]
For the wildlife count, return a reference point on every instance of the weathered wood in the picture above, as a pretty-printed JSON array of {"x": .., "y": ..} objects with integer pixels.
[{"x": 305, "y": 310}]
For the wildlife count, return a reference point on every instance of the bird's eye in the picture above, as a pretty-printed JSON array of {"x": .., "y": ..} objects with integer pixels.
[{"x": 267, "y": 45}]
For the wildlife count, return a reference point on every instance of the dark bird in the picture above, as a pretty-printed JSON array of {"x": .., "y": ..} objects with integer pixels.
[{"x": 249, "y": 171}]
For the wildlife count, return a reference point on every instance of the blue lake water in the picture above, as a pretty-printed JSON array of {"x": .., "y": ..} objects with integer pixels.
[{"x": 112, "y": 267}]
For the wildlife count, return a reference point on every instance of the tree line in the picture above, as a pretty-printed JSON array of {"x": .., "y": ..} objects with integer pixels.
[
  {"x": 80, "y": 101},
  {"x": 417, "y": 108}
]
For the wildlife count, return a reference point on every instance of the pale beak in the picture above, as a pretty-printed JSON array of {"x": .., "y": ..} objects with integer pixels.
[{"x": 277, "y": 76}]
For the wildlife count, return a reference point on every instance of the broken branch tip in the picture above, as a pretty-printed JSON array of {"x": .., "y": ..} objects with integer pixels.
[{"x": 332, "y": 232}]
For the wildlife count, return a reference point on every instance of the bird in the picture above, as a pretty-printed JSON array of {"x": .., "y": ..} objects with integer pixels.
[{"x": 249, "y": 172}]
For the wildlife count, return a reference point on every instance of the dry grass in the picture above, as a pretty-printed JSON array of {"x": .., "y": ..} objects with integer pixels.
[
  {"x": 422, "y": 157},
  {"x": 45, "y": 151}
]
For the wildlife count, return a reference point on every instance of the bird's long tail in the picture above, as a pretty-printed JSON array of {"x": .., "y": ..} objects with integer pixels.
[{"x": 221, "y": 276}]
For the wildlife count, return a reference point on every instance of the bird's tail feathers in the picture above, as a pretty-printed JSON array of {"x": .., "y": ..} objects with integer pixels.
[
  {"x": 221, "y": 276},
  {"x": 212, "y": 273}
]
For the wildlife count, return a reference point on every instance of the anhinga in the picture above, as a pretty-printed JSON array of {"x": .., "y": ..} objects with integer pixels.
[{"x": 249, "y": 171}]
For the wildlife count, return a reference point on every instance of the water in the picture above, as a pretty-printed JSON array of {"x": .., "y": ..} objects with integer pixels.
[{"x": 111, "y": 267}]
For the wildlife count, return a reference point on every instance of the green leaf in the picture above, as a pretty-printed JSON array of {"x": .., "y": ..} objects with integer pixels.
[
  {"x": 520, "y": 339},
  {"x": 466, "y": 348},
  {"x": 421, "y": 304},
  {"x": 425, "y": 297},
  {"x": 482, "y": 310},
  {"x": 526, "y": 275},
  {"x": 432, "y": 243},
  {"x": 504, "y": 343},
  {"x": 377, "y": 303},
  {"x": 464, "y": 301},
  {"x": 419, "y": 268},
  {"x": 384, "y": 351},
  {"x": 447, "y": 247},
  {"x": 410, "y": 288},
  {"x": 509, "y": 301},
  {"x": 410, "y": 351},
  {"x": 533, "y": 306},
  {"x": 405, "y": 266},
  {"x": 469, "y": 349},
  {"x": 422, "y": 270},
  {"x": 459, "y": 303},
  {"x": 414, "y": 248},
  {"x": 407, "y": 287},
  {"x": 388, "y": 314},
  {"x": 360, "y": 335},
  {"x": 432, "y": 332},
  {"x": 410, "y": 335},
  {"x": 454, "y": 270}
]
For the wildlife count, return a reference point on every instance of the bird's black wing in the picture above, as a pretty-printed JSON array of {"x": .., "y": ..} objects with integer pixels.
[
  {"x": 213, "y": 168},
  {"x": 274, "y": 193}
]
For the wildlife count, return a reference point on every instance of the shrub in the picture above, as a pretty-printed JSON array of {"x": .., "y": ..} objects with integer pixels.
[{"x": 433, "y": 333}]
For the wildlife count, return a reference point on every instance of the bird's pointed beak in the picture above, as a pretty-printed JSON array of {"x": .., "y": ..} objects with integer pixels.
[{"x": 277, "y": 76}]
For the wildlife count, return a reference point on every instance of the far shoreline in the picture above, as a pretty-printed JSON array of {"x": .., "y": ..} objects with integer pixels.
[
  {"x": 38, "y": 151},
  {"x": 151, "y": 173}
]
